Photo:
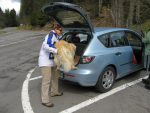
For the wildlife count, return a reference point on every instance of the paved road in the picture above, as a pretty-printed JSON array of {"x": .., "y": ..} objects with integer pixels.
[{"x": 18, "y": 54}]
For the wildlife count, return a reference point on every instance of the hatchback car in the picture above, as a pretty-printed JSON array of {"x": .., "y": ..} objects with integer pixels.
[{"x": 103, "y": 54}]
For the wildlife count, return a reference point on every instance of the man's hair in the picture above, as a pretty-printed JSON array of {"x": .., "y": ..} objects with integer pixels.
[{"x": 57, "y": 26}]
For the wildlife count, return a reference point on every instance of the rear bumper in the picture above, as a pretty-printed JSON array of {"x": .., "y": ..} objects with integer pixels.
[{"x": 82, "y": 77}]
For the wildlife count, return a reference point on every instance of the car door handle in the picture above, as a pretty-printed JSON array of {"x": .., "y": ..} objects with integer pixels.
[{"x": 118, "y": 53}]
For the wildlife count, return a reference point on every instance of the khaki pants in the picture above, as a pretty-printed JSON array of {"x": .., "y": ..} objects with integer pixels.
[{"x": 50, "y": 82}]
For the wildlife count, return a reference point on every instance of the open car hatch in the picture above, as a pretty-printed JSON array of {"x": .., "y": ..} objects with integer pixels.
[{"x": 69, "y": 16}]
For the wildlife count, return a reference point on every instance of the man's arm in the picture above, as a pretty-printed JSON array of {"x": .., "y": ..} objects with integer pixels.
[{"x": 48, "y": 46}]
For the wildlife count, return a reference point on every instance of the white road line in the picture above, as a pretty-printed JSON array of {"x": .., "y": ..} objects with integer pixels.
[
  {"x": 28, "y": 109},
  {"x": 25, "y": 95},
  {"x": 35, "y": 78},
  {"x": 101, "y": 96},
  {"x": 18, "y": 42}
]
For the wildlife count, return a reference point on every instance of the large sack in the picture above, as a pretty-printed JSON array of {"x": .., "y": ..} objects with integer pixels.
[{"x": 65, "y": 55}]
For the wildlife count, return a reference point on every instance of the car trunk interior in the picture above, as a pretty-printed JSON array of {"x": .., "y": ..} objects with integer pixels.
[{"x": 80, "y": 40}]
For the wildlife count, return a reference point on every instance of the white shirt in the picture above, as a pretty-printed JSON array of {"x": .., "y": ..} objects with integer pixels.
[{"x": 46, "y": 49}]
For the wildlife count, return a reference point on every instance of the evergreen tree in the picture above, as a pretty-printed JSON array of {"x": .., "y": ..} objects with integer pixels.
[
  {"x": 2, "y": 23},
  {"x": 26, "y": 10},
  {"x": 37, "y": 18},
  {"x": 10, "y": 18},
  {"x": 121, "y": 11},
  {"x": 7, "y": 17},
  {"x": 30, "y": 12},
  {"x": 145, "y": 10},
  {"x": 13, "y": 18}
]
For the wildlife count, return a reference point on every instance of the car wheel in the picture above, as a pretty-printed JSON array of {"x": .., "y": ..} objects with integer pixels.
[{"x": 106, "y": 80}]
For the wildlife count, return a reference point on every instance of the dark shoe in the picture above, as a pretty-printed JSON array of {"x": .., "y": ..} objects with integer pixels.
[
  {"x": 49, "y": 104},
  {"x": 147, "y": 86},
  {"x": 146, "y": 81},
  {"x": 56, "y": 94}
]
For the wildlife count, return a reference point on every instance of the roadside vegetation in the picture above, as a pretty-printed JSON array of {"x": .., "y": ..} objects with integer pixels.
[
  {"x": 8, "y": 18},
  {"x": 114, "y": 13},
  {"x": 146, "y": 25}
]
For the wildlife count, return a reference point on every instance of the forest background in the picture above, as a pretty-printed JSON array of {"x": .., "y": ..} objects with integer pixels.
[{"x": 103, "y": 13}]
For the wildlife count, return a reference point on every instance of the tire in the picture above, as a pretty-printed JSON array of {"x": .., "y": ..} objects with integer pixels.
[{"x": 106, "y": 80}]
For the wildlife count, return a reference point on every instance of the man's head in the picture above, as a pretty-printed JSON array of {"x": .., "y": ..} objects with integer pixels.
[{"x": 58, "y": 29}]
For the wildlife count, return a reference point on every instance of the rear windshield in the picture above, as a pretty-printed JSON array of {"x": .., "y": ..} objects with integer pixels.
[{"x": 71, "y": 19}]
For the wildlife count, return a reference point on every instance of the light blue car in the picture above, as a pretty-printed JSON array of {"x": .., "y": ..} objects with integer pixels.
[{"x": 103, "y": 54}]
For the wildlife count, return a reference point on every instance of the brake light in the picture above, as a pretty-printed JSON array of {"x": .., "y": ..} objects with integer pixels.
[
  {"x": 87, "y": 59},
  {"x": 70, "y": 75}
]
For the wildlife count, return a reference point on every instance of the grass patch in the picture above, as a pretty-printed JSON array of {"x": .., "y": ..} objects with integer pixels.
[
  {"x": 47, "y": 27},
  {"x": 1, "y": 31},
  {"x": 25, "y": 27},
  {"x": 144, "y": 26}
]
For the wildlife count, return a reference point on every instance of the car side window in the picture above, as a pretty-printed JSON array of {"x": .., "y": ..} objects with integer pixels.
[
  {"x": 133, "y": 39},
  {"x": 118, "y": 39},
  {"x": 105, "y": 40}
]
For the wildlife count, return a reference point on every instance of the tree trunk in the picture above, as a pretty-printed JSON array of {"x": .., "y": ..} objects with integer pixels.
[
  {"x": 100, "y": 7},
  {"x": 120, "y": 13},
  {"x": 138, "y": 21},
  {"x": 138, "y": 11},
  {"x": 117, "y": 12},
  {"x": 131, "y": 13},
  {"x": 113, "y": 11}
]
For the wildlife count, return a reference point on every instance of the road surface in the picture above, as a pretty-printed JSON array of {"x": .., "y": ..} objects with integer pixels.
[{"x": 20, "y": 88}]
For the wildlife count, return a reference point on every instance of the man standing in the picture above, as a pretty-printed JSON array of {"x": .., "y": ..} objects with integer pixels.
[
  {"x": 146, "y": 40},
  {"x": 50, "y": 80}
]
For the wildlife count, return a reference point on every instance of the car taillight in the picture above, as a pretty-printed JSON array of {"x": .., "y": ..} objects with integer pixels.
[{"x": 87, "y": 59}]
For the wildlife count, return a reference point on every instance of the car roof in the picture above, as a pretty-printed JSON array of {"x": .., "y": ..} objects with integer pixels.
[
  {"x": 108, "y": 29},
  {"x": 103, "y": 30}
]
